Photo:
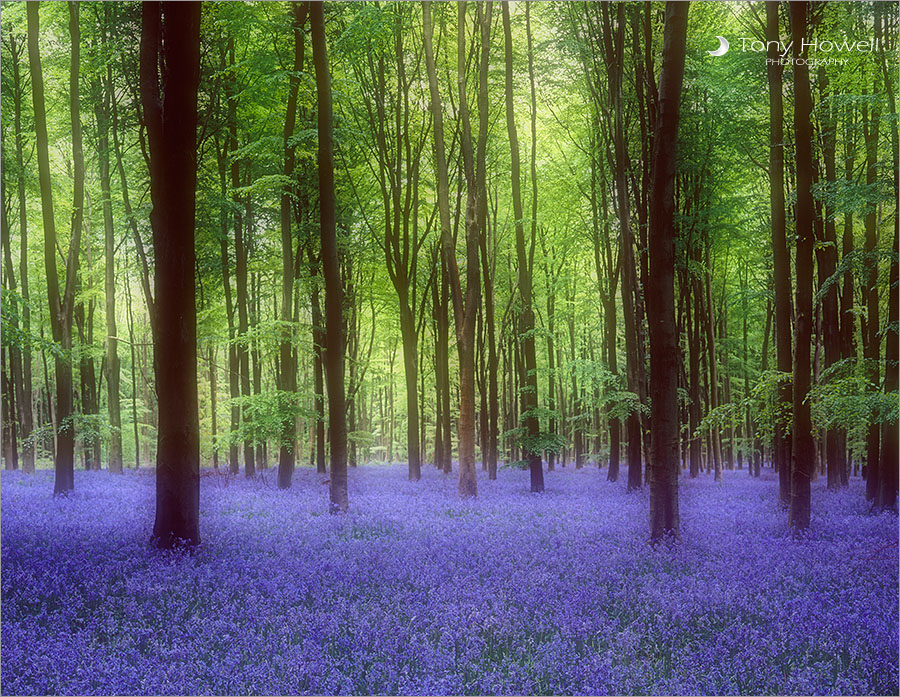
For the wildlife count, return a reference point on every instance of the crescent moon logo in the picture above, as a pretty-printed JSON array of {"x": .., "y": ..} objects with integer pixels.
[{"x": 723, "y": 47}]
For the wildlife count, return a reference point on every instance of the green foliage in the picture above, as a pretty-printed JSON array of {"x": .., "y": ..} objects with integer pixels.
[
  {"x": 264, "y": 415},
  {"x": 11, "y": 304},
  {"x": 847, "y": 398}
]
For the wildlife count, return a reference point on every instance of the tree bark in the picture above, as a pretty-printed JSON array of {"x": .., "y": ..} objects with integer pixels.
[
  {"x": 870, "y": 335},
  {"x": 803, "y": 446},
  {"x": 531, "y": 453},
  {"x": 240, "y": 266},
  {"x": 170, "y": 41},
  {"x": 826, "y": 263},
  {"x": 781, "y": 260},
  {"x": 465, "y": 308},
  {"x": 890, "y": 449},
  {"x": 288, "y": 362},
  {"x": 26, "y": 399},
  {"x": 331, "y": 271},
  {"x": 61, "y": 306},
  {"x": 664, "y": 517},
  {"x": 109, "y": 245}
]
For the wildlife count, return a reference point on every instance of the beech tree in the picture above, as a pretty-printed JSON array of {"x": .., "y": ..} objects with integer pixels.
[
  {"x": 170, "y": 75},
  {"x": 803, "y": 448},
  {"x": 664, "y": 459},
  {"x": 61, "y": 304},
  {"x": 334, "y": 339}
]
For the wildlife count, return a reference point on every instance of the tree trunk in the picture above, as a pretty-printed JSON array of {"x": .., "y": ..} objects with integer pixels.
[
  {"x": 134, "y": 387},
  {"x": 234, "y": 392},
  {"x": 109, "y": 245},
  {"x": 465, "y": 309},
  {"x": 870, "y": 338},
  {"x": 318, "y": 373},
  {"x": 803, "y": 448},
  {"x": 693, "y": 322},
  {"x": 26, "y": 399},
  {"x": 170, "y": 38},
  {"x": 240, "y": 266},
  {"x": 664, "y": 518},
  {"x": 826, "y": 263},
  {"x": 288, "y": 362},
  {"x": 781, "y": 260},
  {"x": 524, "y": 268},
  {"x": 487, "y": 261},
  {"x": 888, "y": 476},
  {"x": 61, "y": 306},
  {"x": 331, "y": 271}
]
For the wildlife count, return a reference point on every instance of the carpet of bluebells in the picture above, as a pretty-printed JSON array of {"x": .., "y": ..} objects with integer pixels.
[{"x": 416, "y": 591}]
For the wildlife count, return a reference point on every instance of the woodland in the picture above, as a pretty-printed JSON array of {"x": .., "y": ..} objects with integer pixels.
[{"x": 449, "y": 347}]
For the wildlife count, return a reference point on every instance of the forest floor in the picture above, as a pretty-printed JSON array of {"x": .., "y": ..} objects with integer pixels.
[{"x": 416, "y": 591}]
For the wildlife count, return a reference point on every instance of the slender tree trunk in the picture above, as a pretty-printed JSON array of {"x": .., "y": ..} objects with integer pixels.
[
  {"x": 464, "y": 307},
  {"x": 170, "y": 37},
  {"x": 781, "y": 260},
  {"x": 240, "y": 265},
  {"x": 109, "y": 245},
  {"x": 12, "y": 379},
  {"x": 890, "y": 452},
  {"x": 318, "y": 374},
  {"x": 524, "y": 270},
  {"x": 134, "y": 386},
  {"x": 888, "y": 476},
  {"x": 288, "y": 362},
  {"x": 803, "y": 447},
  {"x": 870, "y": 338},
  {"x": 334, "y": 341},
  {"x": 213, "y": 389},
  {"x": 487, "y": 260},
  {"x": 233, "y": 363},
  {"x": 709, "y": 326},
  {"x": 848, "y": 317},
  {"x": 826, "y": 263},
  {"x": 693, "y": 322},
  {"x": 26, "y": 400},
  {"x": 61, "y": 306}
]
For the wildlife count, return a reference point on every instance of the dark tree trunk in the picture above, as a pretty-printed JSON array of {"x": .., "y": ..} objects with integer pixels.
[
  {"x": 693, "y": 322},
  {"x": 88, "y": 379},
  {"x": 25, "y": 400},
  {"x": 848, "y": 317},
  {"x": 288, "y": 361},
  {"x": 240, "y": 266},
  {"x": 615, "y": 59},
  {"x": 708, "y": 323},
  {"x": 781, "y": 260},
  {"x": 318, "y": 372},
  {"x": 213, "y": 390},
  {"x": 870, "y": 335},
  {"x": 826, "y": 263},
  {"x": 109, "y": 245},
  {"x": 888, "y": 476},
  {"x": 170, "y": 40},
  {"x": 331, "y": 270},
  {"x": 524, "y": 273},
  {"x": 664, "y": 518},
  {"x": 803, "y": 447},
  {"x": 134, "y": 385},
  {"x": 61, "y": 306},
  {"x": 553, "y": 427},
  {"x": 234, "y": 390},
  {"x": 12, "y": 377},
  {"x": 889, "y": 440}
]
